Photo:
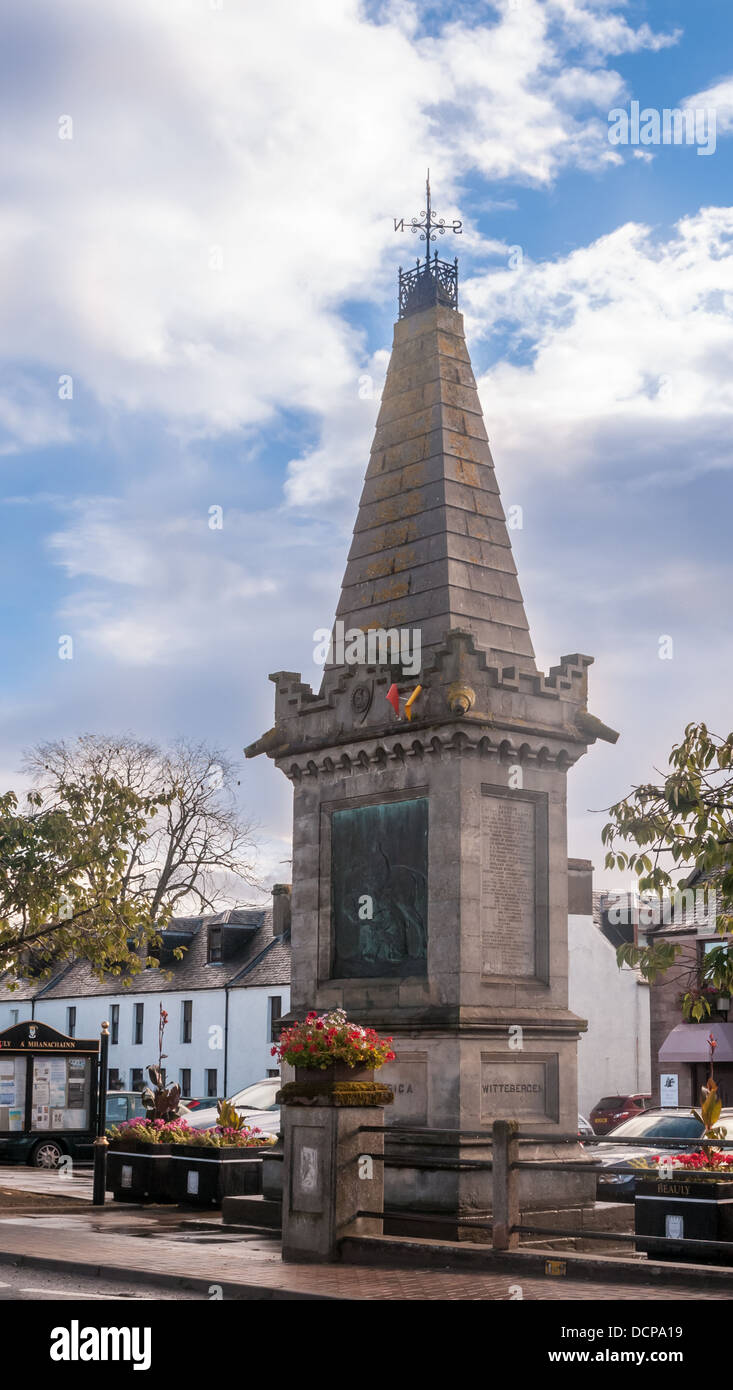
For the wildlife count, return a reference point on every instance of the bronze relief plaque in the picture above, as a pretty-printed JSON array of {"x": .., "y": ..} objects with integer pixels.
[{"x": 379, "y": 890}]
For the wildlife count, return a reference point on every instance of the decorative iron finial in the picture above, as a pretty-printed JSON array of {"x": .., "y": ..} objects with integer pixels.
[
  {"x": 435, "y": 282},
  {"x": 426, "y": 224}
]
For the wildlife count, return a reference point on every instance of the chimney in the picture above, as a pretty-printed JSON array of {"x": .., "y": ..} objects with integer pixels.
[
  {"x": 580, "y": 887},
  {"x": 281, "y": 908}
]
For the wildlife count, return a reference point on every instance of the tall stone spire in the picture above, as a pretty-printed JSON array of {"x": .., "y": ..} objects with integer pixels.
[
  {"x": 431, "y": 548},
  {"x": 430, "y": 871}
]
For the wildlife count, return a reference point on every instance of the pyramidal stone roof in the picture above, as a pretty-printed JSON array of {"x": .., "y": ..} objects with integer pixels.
[{"x": 431, "y": 548}]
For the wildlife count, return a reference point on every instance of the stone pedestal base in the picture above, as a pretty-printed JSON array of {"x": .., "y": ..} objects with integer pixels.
[
  {"x": 448, "y": 1091},
  {"x": 331, "y": 1169},
  {"x": 450, "y": 1201}
]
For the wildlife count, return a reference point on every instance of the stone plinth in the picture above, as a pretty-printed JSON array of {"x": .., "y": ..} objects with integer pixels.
[{"x": 331, "y": 1170}]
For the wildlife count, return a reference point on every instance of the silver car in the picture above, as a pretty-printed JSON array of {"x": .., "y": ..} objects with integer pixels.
[
  {"x": 620, "y": 1162},
  {"x": 256, "y": 1104}
]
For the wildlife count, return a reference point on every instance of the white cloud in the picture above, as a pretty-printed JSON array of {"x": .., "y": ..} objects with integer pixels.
[
  {"x": 629, "y": 340},
  {"x": 232, "y": 178},
  {"x": 718, "y": 98}
]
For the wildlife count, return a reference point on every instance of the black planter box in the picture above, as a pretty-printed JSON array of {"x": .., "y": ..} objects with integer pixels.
[
  {"x": 667, "y": 1210},
  {"x": 138, "y": 1172},
  {"x": 202, "y": 1176},
  {"x": 192, "y": 1174}
]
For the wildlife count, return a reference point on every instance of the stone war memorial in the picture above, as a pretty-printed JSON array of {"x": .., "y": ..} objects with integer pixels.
[{"x": 430, "y": 879}]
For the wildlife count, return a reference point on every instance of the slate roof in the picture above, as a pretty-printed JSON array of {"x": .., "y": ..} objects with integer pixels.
[
  {"x": 271, "y": 967},
  {"x": 253, "y": 956},
  {"x": 686, "y": 919}
]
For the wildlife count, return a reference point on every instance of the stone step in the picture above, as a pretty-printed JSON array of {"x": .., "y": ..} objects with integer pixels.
[{"x": 261, "y": 1212}]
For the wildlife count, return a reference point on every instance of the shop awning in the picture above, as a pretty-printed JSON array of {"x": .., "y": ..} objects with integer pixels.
[{"x": 688, "y": 1042}]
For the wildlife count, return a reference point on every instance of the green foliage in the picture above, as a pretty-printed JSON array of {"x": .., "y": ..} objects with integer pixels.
[
  {"x": 62, "y": 878},
  {"x": 680, "y": 824},
  {"x": 228, "y": 1117},
  {"x": 180, "y": 1133},
  {"x": 163, "y": 1102},
  {"x": 115, "y": 836}
]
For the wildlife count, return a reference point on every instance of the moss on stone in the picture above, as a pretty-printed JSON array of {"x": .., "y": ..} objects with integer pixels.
[{"x": 338, "y": 1093}]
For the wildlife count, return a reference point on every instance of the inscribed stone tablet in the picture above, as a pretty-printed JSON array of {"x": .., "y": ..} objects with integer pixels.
[
  {"x": 513, "y": 1089},
  {"x": 407, "y": 1078},
  {"x": 508, "y": 869}
]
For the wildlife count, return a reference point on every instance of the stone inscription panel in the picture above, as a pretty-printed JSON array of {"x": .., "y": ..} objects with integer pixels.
[
  {"x": 407, "y": 1079},
  {"x": 521, "y": 1088},
  {"x": 508, "y": 885}
]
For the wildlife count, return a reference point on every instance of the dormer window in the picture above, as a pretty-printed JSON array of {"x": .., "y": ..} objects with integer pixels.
[{"x": 214, "y": 956}]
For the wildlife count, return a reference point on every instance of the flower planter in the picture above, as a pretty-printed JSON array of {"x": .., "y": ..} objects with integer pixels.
[
  {"x": 200, "y": 1175},
  {"x": 137, "y": 1172},
  {"x": 685, "y": 1206},
  {"x": 194, "y": 1174},
  {"x": 338, "y": 1071}
]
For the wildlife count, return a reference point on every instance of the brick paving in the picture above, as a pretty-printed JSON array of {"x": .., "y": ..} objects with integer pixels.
[{"x": 126, "y": 1241}]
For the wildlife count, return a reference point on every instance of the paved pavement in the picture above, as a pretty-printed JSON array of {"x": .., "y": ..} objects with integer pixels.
[
  {"x": 28, "y": 1285},
  {"x": 74, "y": 1181},
  {"x": 156, "y": 1252},
  {"x": 157, "y": 1245}
]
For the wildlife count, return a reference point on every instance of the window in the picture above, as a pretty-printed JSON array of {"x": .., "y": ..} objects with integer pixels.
[
  {"x": 136, "y": 1079},
  {"x": 137, "y": 1023},
  {"x": 214, "y": 956},
  {"x": 186, "y": 1020},
  {"x": 114, "y": 1024},
  {"x": 274, "y": 1014},
  {"x": 211, "y": 1083},
  {"x": 14, "y": 1016},
  {"x": 71, "y": 1021},
  {"x": 185, "y": 1081},
  {"x": 114, "y": 1082},
  {"x": 270, "y": 1072}
]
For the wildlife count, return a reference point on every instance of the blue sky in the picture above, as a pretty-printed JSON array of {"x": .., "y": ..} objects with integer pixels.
[{"x": 211, "y": 257}]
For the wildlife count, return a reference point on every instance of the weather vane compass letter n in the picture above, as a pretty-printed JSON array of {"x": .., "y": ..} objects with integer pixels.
[{"x": 435, "y": 282}]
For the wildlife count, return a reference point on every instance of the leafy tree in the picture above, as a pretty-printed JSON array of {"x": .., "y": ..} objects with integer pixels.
[
  {"x": 118, "y": 834},
  {"x": 681, "y": 824},
  {"x": 62, "y": 871}
]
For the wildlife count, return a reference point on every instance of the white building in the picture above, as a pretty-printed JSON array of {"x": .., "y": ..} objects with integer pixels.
[
  {"x": 222, "y": 999},
  {"x": 234, "y": 982},
  {"x": 614, "y": 1054}
]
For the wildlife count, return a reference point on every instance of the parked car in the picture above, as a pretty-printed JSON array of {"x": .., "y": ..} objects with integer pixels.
[
  {"x": 621, "y": 1162},
  {"x": 123, "y": 1105},
  {"x": 585, "y": 1128},
  {"x": 255, "y": 1103},
  {"x": 128, "y": 1105},
  {"x": 201, "y": 1102},
  {"x": 612, "y": 1110},
  {"x": 47, "y": 1150}
]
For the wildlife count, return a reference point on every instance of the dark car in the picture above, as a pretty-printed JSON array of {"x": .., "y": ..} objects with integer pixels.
[
  {"x": 622, "y": 1161},
  {"x": 201, "y": 1102},
  {"x": 612, "y": 1110},
  {"x": 122, "y": 1106}
]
